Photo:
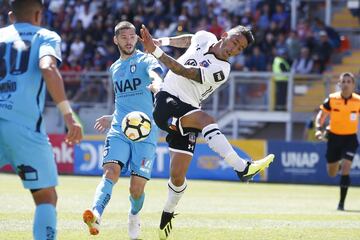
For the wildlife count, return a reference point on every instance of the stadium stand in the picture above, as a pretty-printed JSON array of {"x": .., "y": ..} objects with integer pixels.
[{"x": 332, "y": 49}]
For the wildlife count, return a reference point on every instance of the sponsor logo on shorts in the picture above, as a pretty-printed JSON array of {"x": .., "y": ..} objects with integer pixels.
[{"x": 145, "y": 165}]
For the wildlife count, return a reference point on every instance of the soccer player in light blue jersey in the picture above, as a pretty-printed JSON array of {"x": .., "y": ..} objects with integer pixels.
[
  {"x": 135, "y": 75},
  {"x": 29, "y": 55}
]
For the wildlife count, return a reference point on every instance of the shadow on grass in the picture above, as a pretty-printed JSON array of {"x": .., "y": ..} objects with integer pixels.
[{"x": 351, "y": 210}]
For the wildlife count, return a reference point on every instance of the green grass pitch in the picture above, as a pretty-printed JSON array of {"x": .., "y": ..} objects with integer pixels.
[{"x": 209, "y": 210}]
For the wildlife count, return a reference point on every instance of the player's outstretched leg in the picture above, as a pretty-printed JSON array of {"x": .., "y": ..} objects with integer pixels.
[
  {"x": 92, "y": 217},
  {"x": 174, "y": 195},
  {"x": 254, "y": 167},
  {"x": 165, "y": 225},
  {"x": 92, "y": 221}
]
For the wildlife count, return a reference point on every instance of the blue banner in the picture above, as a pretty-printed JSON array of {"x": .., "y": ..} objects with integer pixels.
[
  {"x": 205, "y": 164},
  {"x": 302, "y": 162}
]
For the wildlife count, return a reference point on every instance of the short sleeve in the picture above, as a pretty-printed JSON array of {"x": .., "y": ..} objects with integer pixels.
[
  {"x": 153, "y": 64},
  {"x": 214, "y": 74},
  {"x": 201, "y": 37},
  {"x": 50, "y": 46},
  {"x": 326, "y": 105}
]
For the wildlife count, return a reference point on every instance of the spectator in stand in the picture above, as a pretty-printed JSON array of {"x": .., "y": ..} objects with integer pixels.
[
  {"x": 76, "y": 48},
  {"x": 304, "y": 64},
  {"x": 323, "y": 52},
  {"x": 237, "y": 62},
  {"x": 281, "y": 17},
  {"x": 84, "y": 14},
  {"x": 333, "y": 35},
  {"x": 256, "y": 61},
  {"x": 293, "y": 46},
  {"x": 263, "y": 22},
  {"x": 303, "y": 29},
  {"x": 215, "y": 28}
]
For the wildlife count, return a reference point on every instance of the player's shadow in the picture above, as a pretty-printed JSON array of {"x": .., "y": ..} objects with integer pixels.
[{"x": 352, "y": 211}]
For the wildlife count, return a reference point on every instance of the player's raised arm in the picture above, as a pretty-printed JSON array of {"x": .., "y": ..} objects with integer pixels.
[
  {"x": 182, "y": 41},
  {"x": 55, "y": 86},
  {"x": 188, "y": 72}
]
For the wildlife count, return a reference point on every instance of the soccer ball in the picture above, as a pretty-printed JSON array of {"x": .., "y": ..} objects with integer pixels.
[{"x": 136, "y": 126}]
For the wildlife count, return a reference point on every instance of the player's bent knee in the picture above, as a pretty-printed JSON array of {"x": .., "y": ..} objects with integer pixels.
[
  {"x": 44, "y": 195},
  {"x": 332, "y": 173}
]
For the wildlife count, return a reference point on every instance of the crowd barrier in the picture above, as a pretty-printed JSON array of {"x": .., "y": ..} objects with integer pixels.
[{"x": 295, "y": 162}]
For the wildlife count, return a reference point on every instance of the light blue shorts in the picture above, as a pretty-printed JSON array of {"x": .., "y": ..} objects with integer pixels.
[
  {"x": 136, "y": 157},
  {"x": 29, "y": 153}
]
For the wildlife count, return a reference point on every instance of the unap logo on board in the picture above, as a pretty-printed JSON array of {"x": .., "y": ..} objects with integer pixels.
[{"x": 299, "y": 162}]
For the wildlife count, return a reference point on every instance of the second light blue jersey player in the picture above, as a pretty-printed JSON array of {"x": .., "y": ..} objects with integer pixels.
[
  {"x": 130, "y": 79},
  {"x": 131, "y": 75},
  {"x": 29, "y": 56}
]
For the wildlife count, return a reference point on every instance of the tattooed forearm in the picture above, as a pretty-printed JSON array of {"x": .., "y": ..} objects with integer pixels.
[
  {"x": 182, "y": 41},
  {"x": 192, "y": 73}
]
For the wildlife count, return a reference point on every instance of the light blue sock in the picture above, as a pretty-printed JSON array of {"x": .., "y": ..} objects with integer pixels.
[
  {"x": 136, "y": 204},
  {"x": 44, "y": 222},
  {"x": 103, "y": 195}
]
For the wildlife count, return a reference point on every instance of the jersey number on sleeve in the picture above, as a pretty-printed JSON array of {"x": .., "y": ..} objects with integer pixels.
[{"x": 18, "y": 58}]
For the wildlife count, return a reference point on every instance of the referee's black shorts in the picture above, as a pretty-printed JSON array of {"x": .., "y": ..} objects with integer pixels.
[
  {"x": 341, "y": 147},
  {"x": 167, "y": 110}
]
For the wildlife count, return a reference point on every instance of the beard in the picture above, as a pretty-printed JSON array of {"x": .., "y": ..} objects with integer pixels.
[{"x": 126, "y": 51}]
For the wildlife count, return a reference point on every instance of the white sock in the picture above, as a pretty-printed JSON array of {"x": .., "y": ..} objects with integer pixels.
[
  {"x": 219, "y": 144},
  {"x": 174, "y": 195}
]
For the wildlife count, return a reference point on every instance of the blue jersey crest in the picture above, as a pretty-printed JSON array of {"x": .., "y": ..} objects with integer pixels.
[{"x": 130, "y": 79}]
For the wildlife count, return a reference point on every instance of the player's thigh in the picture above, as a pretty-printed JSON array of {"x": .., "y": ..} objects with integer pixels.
[
  {"x": 196, "y": 119},
  {"x": 168, "y": 109},
  {"x": 180, "y": 162},
  {"x": 346, "y": 167},
  {"x": 31, "y": 155},
  {"x": 142, "y": 159},
  {"x": 333, "y": 149},
  {"x": 116, "y": 150}
]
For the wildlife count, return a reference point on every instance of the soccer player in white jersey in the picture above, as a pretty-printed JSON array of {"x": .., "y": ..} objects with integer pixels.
[
  {"x": 29, "y": 55},
  {"x": 190, "y": 80},
  {"x": 132, "y": 75}
]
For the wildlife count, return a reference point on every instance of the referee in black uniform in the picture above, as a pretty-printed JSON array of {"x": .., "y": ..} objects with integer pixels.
[{"x": 342, "y": 108}]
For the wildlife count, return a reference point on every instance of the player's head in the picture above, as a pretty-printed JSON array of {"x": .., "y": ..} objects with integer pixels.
[
  {"x": 347, "y": 82},
  {"x": 26, "y": 11},
  {"x": 125, "y": 37},
  {"x": 235, "y": 41}
]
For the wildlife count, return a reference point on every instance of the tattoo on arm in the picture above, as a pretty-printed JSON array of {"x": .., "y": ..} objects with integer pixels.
[
  {"x": 182, "y": 41},
  {"x": 189, "y": 72}
]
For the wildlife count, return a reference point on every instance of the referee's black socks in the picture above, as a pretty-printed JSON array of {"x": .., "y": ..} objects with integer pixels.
[{"x": 344, "y": 185}]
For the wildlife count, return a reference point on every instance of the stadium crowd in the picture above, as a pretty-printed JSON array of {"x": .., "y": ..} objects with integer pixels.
[{"x": 86, "y": 28}]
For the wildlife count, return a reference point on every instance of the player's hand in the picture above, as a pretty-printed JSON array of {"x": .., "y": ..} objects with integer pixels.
[
  {"x": 103, "y": 123},
  {"x": 146, "y": 39},
  {"x": 319, "y": 135},
  {"x": 75, "y": 131}
]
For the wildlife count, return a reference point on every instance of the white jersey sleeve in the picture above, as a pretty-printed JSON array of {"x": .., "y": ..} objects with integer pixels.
[{"x": 202, "y": 38}]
